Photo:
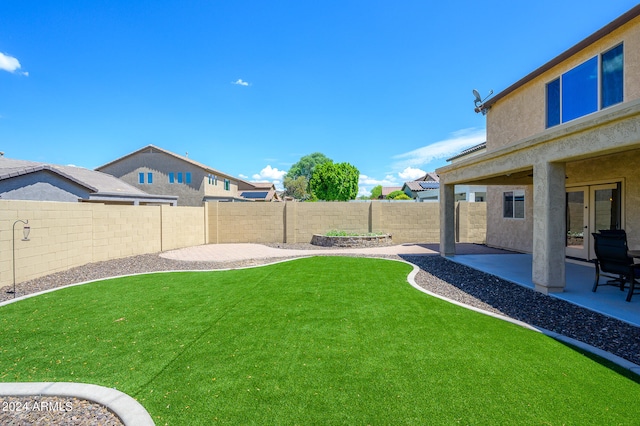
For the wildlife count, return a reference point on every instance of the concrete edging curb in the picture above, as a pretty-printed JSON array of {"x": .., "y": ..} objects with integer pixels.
[{"x": 130, "y": 411}]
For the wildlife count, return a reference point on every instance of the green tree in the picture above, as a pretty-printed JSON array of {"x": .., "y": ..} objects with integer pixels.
[
  {"x": 296, "y": 182},
  {"x": 398, "y": 195},
  {"x": 376, "y": 192},
  {"x": 296, "y": 187},
  {"x": 307, "y": 164},
  {"x": 335, "y": 181}
]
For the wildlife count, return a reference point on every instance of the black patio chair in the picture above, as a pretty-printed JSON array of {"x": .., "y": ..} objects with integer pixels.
[{"x": 613, "y": 258}]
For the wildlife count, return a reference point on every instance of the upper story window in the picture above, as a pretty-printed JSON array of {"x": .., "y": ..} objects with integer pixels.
[
  {"x": 583, "y": 90},
  {"x": 179, "y": 177},
  {"x": 172, "y": 177},
  {"x": 227, "y": 185},
  {"x": 141, "y": 178},
  {"x": 187, "y": 177}
]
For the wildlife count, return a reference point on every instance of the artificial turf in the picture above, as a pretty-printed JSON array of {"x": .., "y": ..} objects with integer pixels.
[{"x": 323, "y": 340}]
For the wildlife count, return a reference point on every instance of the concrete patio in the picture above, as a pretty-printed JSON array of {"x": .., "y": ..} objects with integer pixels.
[{"x": 517, "y": 268}]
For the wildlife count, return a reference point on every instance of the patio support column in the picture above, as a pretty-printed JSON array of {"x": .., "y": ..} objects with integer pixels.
[
  {"x": 447, "y": 220},
  {"x": 549, "y": 227}
]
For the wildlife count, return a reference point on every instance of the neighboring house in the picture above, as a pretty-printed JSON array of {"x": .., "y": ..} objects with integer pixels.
[
  {"x": 561, "y": 153},
  {"x": 386, "y": 190},
  {"x": 258, "y": 191},
  {"x": 158, "y": 171},
  {"x": 28, "y": 180},
  {"x": 427, "y": 188},
  {"x": 428, "y": 182}
]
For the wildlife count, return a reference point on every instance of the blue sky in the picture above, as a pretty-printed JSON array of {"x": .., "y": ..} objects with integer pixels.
[{"x": 249, "y": 87}]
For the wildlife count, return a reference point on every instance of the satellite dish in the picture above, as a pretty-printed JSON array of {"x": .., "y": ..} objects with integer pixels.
[
  {"x": 479, "y": 102},
  {"x": 477, "y": 95}
]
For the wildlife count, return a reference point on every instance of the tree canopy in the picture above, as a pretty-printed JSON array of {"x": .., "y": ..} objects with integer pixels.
[
  {"x": 307, "y": 164},
  {"x": 335, "y": 181},
  {"x": 296, "y": 182},
  {"x": 376, "y": 192}
]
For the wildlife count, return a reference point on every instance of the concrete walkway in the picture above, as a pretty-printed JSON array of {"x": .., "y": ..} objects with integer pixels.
[{"x": 246, "y": 251}]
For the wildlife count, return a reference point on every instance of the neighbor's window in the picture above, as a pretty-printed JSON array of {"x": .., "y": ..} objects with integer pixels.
[
  {"x": 187, "y": 177},
  {"x": 149, "y": 177},
  {"x": 141, "y": 178},
  {"x": 179, "y": 177},
  {"x": 172, "y": 178},
  {"x": 513, "y": 204},
  {"x": 575, "y": 93},
  {"x": 227, "y": 184}
]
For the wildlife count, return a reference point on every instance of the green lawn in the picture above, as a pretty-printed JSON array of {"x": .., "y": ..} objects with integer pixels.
[{"x": 324, "y": 340}]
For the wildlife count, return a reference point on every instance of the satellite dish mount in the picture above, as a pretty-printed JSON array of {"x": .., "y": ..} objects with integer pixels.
[{"x": 479, "y": 102}]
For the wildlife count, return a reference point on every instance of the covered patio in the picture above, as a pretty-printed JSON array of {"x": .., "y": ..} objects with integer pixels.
[
  {"x": 585, "y": 151},
  {"x": 517, "y": 268}
]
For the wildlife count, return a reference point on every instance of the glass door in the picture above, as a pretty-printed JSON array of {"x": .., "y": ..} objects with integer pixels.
[
  {"x": 606, "y": 209},
  {"x": 591, "y": 209},
  {"x": 577, "y": 222}
]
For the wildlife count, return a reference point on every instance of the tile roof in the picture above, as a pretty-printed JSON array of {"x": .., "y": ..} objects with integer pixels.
[
  {"x": 468, "y": 151},
  {"x": 96, "y": 182}
]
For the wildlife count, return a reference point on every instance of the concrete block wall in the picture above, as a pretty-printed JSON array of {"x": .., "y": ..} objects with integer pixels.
[
  {"x": 411, "y": 222},
  {"x": 246, "y": 222},
  {"x": 182, "y": 227},
  {"x": 471, "y": 222},
  {"x": 66, "y": 235}
]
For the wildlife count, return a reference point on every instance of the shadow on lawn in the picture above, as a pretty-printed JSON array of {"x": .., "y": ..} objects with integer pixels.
[{"x": 539, "y": 310}]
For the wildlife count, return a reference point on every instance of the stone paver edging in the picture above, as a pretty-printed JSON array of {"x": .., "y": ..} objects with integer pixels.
[{"x": 130, "y": 411}]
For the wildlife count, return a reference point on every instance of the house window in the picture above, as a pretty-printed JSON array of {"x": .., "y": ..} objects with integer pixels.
[
  {"x": 187, "y": 177},
  {"x": 612, "y": 77},
  {"x": 513, "y": 204},
  {"x": 149, "y": 177},
  {"x": 179, "y": 177},
  {"x": 227, "y": 185},
  {"x": 171, "y": 177},
  {"x": 140, "y": 178},
  {"x": 575, "y": 93}
]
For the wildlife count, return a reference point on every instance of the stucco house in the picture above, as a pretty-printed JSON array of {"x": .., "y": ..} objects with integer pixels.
[
  {"x": 34, "y": 181},
  {"x": 158, "y": 171},
  {"x": 562, "y": 147}
]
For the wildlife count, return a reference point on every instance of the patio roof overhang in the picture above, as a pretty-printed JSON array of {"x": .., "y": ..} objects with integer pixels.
[{"x": 610, "y": 131}]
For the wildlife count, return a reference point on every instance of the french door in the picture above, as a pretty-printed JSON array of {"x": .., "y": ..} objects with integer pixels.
[{"x": 590, "y": 209}]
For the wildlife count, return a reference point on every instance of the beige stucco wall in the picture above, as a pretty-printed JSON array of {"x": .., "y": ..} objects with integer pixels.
[
  {"x": 512, "y": 234},
  {"x": 522, "y": 113}
]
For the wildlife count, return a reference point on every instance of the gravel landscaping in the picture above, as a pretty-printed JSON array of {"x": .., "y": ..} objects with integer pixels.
[{"x": 437, "y": 274}]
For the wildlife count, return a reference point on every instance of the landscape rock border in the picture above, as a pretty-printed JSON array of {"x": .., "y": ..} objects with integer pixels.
[{"x": 352, "y": 241}]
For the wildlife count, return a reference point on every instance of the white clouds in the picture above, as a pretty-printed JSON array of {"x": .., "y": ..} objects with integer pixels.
[
  {"x": 389, "y": 180},
  {"x": 270, "y": 174},
  {"x": 412, "y": 165},
  {"x": 456, "y": 143},
  {"x": 240, "y": 82},
  {"x": 411, "y": 174},
  {"x": 10, "y": 64},
  {"x": 366, "y": 183}
]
